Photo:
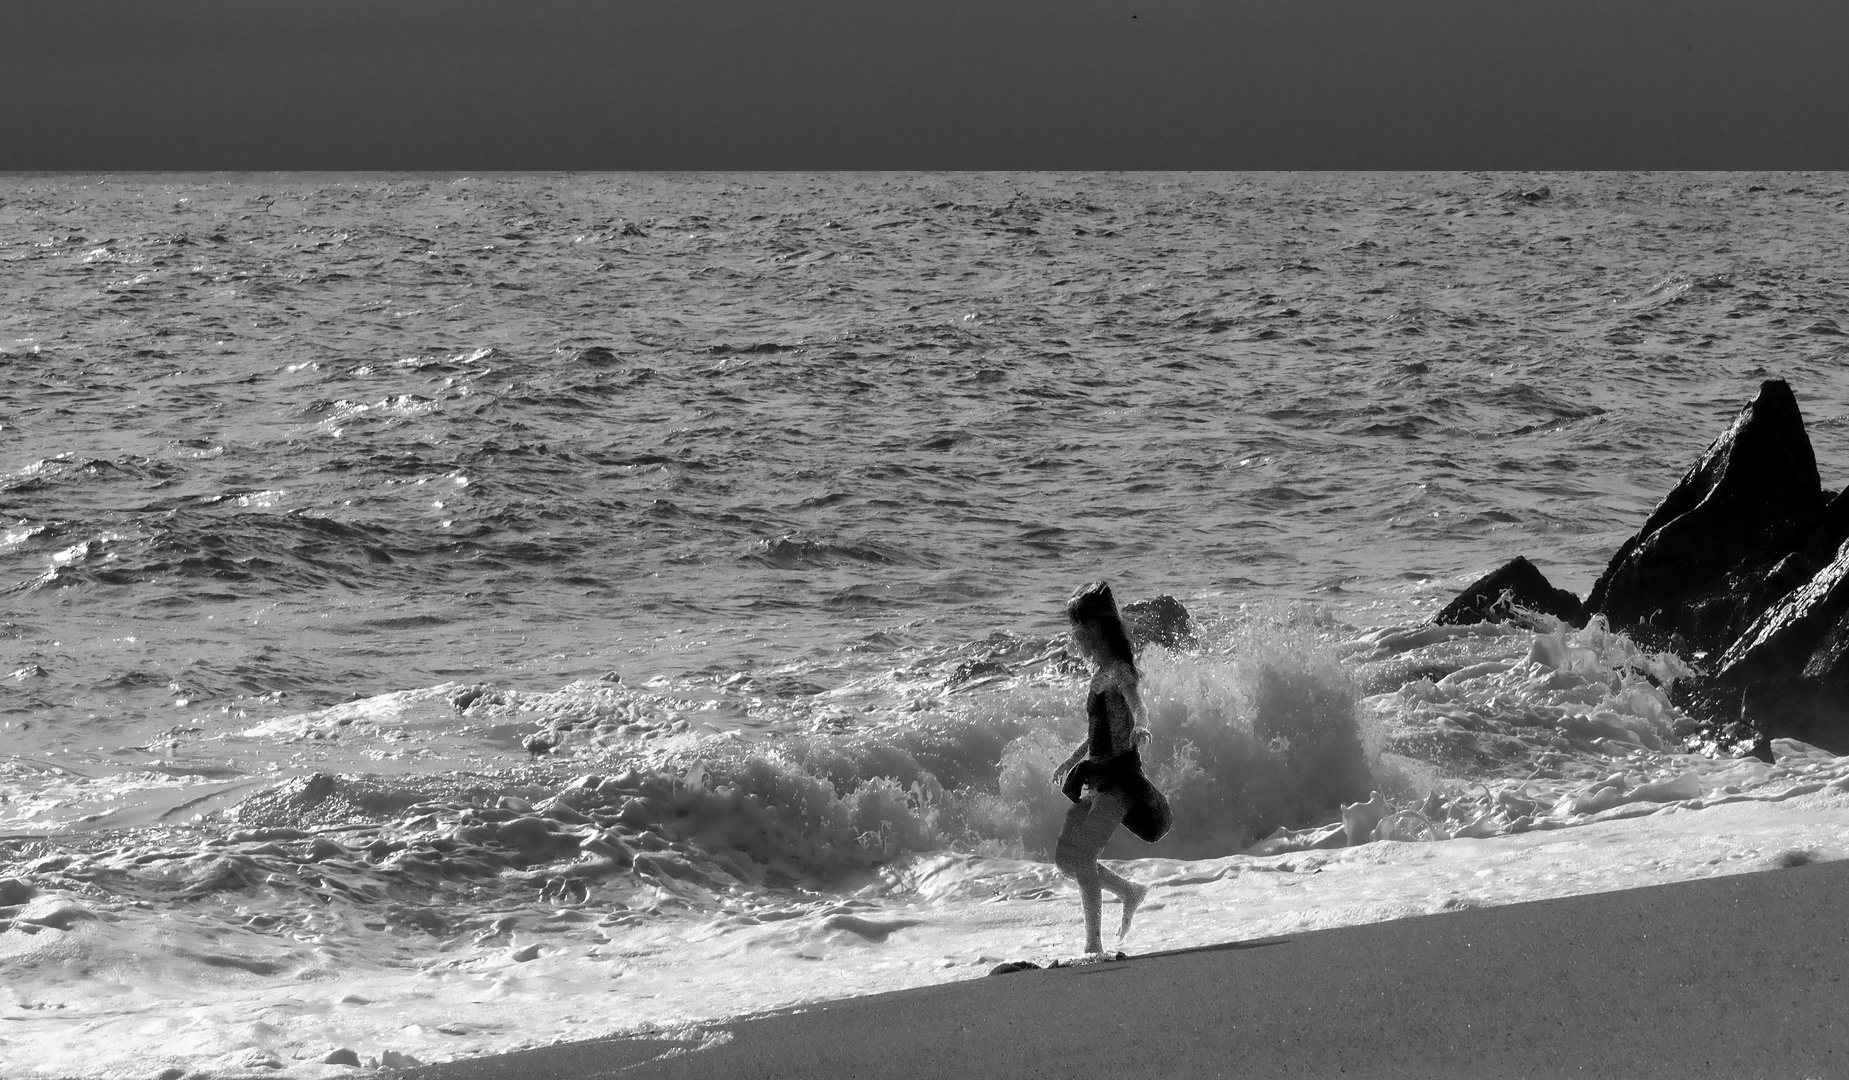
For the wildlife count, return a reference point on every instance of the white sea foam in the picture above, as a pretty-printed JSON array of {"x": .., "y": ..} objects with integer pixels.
[
  {"x": 199, "y": 990},
  {"x": 429, "y": 919}
]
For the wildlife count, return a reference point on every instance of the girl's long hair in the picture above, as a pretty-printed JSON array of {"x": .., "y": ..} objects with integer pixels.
[{"x": 1093, "y": 607}]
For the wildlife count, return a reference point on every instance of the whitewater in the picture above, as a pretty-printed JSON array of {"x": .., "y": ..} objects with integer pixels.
[{"x": 454, "y": 614}]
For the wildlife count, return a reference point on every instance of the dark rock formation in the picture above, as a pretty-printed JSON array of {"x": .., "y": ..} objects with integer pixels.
[
  {"x": 1745, "y": 561},
  {"x": 1506, "y": 593},
  {"x": 1812, "y": 556},
  {"x": 1708, "y": 560},
  {"x": 1788, "y": 674},
  {"x": 1161, "y": 620}
]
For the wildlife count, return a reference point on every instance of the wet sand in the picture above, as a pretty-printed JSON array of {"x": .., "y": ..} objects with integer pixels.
[{"x": 1728, "y": 977}]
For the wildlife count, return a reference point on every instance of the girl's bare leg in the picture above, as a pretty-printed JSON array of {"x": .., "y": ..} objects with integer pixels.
[{"x": 1089, "y": 825}]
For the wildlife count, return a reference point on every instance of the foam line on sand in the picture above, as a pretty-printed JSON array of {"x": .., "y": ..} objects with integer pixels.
[{"x": 1734, "y": 976}]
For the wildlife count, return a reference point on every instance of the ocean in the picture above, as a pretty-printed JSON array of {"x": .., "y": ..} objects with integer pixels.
[{"x": 447, "y": 614}]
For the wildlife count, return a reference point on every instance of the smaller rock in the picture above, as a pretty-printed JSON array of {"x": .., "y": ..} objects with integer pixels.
[
  {"x": 1013, "y": 966},
  {"x": 393, "y": 1059},
  {"x": 1506, "y": 593},
  {"x": 342, "y": 1056},
  {"x": 1160, "y": 620},
  {"x": 524, "y": 954},
  {"x": 14, "y": 891}
]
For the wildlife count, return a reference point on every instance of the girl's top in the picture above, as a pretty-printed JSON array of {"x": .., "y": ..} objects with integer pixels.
[{"x": 1114, "y": 709}]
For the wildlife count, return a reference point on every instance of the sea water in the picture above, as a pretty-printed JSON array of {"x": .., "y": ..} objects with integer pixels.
[{"x": 450, "y": 614}]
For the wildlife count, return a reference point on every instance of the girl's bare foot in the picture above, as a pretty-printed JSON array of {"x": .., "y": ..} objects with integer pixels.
[{"x": 1132, "y": 901}]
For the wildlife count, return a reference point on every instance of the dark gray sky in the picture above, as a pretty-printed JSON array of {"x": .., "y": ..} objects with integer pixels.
[{"x": 878, "y": 84}]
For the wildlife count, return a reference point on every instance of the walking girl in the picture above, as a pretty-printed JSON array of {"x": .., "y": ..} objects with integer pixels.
[{"x": 1104, "y": 776}]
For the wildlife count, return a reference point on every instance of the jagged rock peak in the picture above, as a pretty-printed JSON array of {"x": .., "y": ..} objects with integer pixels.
[{"x": 1696, "y": 570}]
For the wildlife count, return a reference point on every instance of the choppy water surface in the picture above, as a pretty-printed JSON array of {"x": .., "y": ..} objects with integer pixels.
[{"x": 415, "y": 580}]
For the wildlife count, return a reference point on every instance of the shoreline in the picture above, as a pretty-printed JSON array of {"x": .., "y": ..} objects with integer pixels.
[{"x": 1727, "y": 976}]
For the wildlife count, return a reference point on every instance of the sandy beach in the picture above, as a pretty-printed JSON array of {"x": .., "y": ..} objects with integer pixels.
[{"x": 1731, "y": 977}]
